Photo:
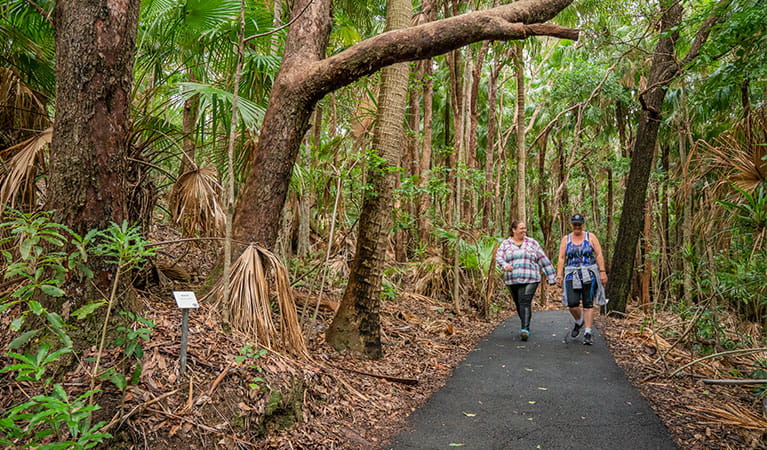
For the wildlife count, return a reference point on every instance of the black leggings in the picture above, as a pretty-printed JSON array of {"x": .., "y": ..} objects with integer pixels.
[{"x": 523, "y": 300}]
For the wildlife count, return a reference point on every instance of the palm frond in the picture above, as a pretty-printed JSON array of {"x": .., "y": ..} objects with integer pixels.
[
  {"x": 20, "y": 165},
  {"x": 255, "y": 275},
  {"x": 740, "y": 154},
  {"x": 250, "y": 113},
  {"x": 195, "y": 203}
]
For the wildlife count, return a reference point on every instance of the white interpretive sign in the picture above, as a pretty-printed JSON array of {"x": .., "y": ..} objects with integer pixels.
[{"x": 185, "y": 299}]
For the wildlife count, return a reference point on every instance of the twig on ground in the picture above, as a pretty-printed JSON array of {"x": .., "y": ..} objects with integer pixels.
[
  {"x": 716, "y": 355},
  {"x": 122, "y": 419},
  {"x": 733, "y": 382}
]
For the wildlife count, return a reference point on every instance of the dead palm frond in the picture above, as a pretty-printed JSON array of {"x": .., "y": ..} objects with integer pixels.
[
  {"x": 433, "y": 278},
  {"x": 730, "y": 414},
  {"x": 21, "y": 164},
  {"x": 255, "y": 275},
  {"x": 739, "y": 155},
  {"x": 195, "y": 203},
  {"x": 21, "y": 108}
]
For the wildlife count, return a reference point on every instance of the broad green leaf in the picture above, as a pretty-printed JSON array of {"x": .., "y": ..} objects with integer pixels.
[
  {"x": 36, "y": 307},
  {"x": 86, "y": 310},
  {"x": 119, "y": 380},
  {"x": 17, "y": 323},
  {"x": 22, "y": 339},
  {"x": 52, "y": 291}
]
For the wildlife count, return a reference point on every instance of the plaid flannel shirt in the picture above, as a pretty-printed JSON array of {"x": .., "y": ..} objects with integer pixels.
[{"x": 527, "y": 261}]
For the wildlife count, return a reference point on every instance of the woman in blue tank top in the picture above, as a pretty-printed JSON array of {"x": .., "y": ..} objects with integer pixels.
[{"x": 582, "y": 268}]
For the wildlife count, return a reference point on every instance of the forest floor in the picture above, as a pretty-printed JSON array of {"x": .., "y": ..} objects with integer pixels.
[{"x": 331, "y": 400}]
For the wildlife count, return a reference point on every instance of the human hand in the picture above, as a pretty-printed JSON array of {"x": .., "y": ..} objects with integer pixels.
[
  {"x": 508, "y": 267},
  {"x": 603, "y": 277},
  {"x": 559, "y": 281}
]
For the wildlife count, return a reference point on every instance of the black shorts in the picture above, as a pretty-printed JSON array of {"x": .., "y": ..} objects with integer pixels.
[{"x": 584, "y": 295}]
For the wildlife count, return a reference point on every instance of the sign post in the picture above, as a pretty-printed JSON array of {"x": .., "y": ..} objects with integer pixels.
[{"x": 185, "y": 300}]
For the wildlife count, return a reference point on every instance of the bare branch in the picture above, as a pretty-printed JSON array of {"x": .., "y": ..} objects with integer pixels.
[{"x": 518, "y": 20}]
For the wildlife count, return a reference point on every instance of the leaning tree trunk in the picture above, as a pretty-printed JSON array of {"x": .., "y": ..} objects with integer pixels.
[
  {"x": 663, "y": 67},
  {"x": 662, "y": 71},
  {"x": 357, "y": 325},
  {"x": 306, "y": 76},
  {"x": 89, "y": 166}
]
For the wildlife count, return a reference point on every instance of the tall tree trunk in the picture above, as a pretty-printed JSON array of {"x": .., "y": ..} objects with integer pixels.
[
  {"x": 489, "y": 203},
  {"x": 356, "y": 326},
  {"x": 608, "y": 244},
  {"x": 306, "y": 76},
  {"x": 95, "y": 45},
  {"x": 189, "y": 126},
  {"x": 646, "y": 262},
  {"x": 521, "y": 194},
  {"x": 661, "y": 72},
  {"x": 89, "y": 167},
  {"x": 424, "y": 200}
]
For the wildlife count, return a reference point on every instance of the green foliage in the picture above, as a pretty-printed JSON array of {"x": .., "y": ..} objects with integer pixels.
[
  {"x": 47, "y": 255},
  {"x": 123, "y": 246},
  {"x": 251, "y": 352},
  {"x": 48, "y": 415},
  {"x": 130, "y": 339}
]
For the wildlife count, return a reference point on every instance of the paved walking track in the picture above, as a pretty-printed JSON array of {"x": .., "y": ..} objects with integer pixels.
[{"x": 539, "y": 394}]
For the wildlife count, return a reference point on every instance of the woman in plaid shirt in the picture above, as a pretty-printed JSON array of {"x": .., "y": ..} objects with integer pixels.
[{"x": 522, "y": 259}]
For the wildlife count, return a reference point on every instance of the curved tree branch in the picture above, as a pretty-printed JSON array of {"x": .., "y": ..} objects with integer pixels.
[{"x": 518, "y": 20}]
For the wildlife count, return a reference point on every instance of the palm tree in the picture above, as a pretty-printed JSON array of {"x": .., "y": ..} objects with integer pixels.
[{"x": 356, "y": 326}]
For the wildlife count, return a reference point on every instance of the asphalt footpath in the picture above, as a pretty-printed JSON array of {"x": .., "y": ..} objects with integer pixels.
[{"x": 546, "y": 393}]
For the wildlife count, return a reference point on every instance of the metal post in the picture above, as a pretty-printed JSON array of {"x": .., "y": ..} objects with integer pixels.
[{"x": 184, "y": 332}]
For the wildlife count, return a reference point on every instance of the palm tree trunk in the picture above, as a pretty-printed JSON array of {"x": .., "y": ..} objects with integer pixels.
[
  {"x": 356, "y": 326},
  {"x": 492, "y": 86},
  {"x": 519, "y": 67},
  {"x": 188, "y": 123}
]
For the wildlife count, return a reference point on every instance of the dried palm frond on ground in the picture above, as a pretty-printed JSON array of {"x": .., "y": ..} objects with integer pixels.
[
  {"x": 20, "y": 166},
  {"x": 254, "y": 276},
  {"x": 730, "y": 414},
  {"x": 195, "y": 204}
]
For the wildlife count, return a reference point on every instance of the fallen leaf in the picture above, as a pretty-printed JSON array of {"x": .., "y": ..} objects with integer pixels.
[
  {"x": 543, "y": 389},
  {"x": 468, "y": 414},
  {"x": 532, "y": 402},
  {"x": 456, "y": 444},
  {"x": 529, "y": 370}
]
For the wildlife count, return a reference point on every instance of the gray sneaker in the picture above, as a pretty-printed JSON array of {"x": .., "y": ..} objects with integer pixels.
[
  {"x": 576, "y": 331},
  {"x": 587, "y": 339}
]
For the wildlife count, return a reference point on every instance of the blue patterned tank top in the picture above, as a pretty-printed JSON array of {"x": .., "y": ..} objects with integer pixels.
[{"x": 581, "y": 254}]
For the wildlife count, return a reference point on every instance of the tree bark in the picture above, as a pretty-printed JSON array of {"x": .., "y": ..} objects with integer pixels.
[
  {"x": 356, "y": 326},
  {"x": 663, "y": 66},
  {"x": 90, "y": 172},
  {"x": 662, "y": 71},
  {"x": 521, "y": 193},
  {"x": 306, "y": 76},
  {"x": 95, "y": 45},
  {"x": 492, "y": 88}
]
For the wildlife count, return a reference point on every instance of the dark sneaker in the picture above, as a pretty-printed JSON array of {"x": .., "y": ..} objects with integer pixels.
[
  {"x": 587, "y": 339},
  {"x": 524, "y": 334},
  {"x": 576, "y": 330}
]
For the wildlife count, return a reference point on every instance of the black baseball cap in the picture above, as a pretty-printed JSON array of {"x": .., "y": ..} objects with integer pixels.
[{"x": 577, "y": 218}]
